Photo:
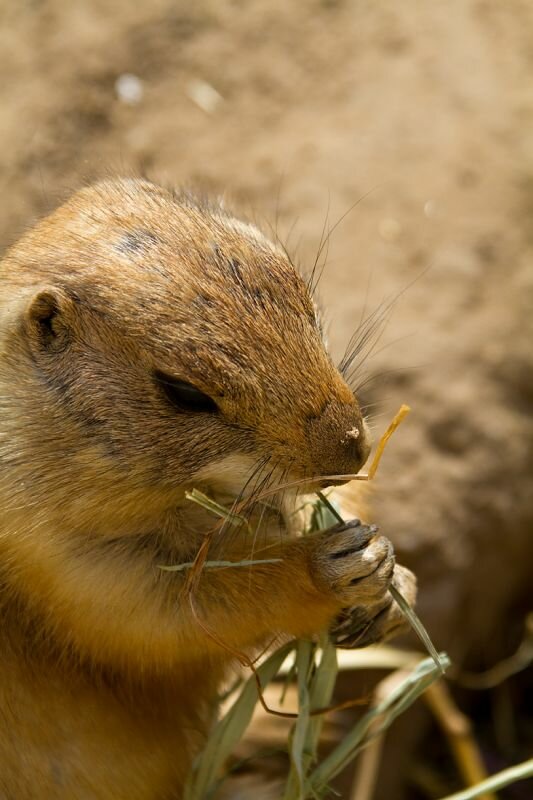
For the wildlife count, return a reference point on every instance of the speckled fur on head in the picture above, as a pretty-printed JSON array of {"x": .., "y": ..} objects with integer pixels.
[{"x": 146, "y": 281}]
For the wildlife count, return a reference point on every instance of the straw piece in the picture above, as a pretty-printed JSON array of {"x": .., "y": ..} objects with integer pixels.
[
  {"x": 369, "y": 761},
  {"x": 398, "y": 419}
]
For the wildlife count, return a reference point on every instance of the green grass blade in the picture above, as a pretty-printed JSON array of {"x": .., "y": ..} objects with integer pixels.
[
  {"x": 217, "y": 564},
  {"x": 398, "y": 700},
  {"x": 321, "y": 690},
  {"x": 215, "y": 508},
  {"x": 294, "y": 788},
  {"x": 504, "y": 778},
  {"x": 326, "y": 513},
  {"x": 415, "y": 623},
  {"x": 227, "y": 732}
]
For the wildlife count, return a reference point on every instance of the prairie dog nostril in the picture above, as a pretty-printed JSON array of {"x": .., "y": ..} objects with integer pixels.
[{"x": 353, "y": 433}]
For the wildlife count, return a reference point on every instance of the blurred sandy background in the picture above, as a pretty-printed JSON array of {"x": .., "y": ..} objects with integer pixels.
[{"x": 423, "y": 113}]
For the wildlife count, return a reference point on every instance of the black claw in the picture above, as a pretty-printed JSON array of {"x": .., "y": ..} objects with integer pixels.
[
  {"x": 362, "y": 536},
  {"x": 356, "y": 627},
  {"x": 354, "y": 523},
  {"x": 344, "y": 526},
  {"x": 358, "y": 642},
  {"x": 350, "y": 622}
]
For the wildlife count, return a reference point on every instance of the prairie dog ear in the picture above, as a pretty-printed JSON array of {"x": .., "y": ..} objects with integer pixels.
[{"x": 47, "y": 319}]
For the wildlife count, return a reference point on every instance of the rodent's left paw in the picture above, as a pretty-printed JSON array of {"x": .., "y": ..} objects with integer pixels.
[
  {"x": 352, "y": 562},
  {"x": 361, "y": 626}
]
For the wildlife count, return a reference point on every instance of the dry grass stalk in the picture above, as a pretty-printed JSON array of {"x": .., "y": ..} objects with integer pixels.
[
  {"x": 458, "y": 730},
  {"x": 456, "y": 726}
]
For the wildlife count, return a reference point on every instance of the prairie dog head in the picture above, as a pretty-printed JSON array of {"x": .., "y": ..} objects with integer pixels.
[{"x": 148, "y": 344}]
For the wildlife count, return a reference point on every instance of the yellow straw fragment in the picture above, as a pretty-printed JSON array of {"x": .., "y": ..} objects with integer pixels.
[{"x": 398, "y": 419}]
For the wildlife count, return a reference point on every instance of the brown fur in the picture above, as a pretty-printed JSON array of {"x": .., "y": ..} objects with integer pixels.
[{"x": 108, "y": 686}]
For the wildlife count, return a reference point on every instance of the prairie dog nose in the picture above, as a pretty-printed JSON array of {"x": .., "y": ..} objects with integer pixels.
[{"x": 338, "y": 440}]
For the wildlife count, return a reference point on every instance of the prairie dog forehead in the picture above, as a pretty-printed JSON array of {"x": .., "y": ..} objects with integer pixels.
[
  {"x": 199, "y": 257},
  {"x": 171, "y": 271}
]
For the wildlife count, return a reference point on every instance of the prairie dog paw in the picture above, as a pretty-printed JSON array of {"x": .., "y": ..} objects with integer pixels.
[
  {"x": 361, "y": 626},
  {"x": 354, "y": 563}
]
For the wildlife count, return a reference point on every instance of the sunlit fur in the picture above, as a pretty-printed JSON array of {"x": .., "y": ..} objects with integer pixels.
[{"x": 108, "y": 685}]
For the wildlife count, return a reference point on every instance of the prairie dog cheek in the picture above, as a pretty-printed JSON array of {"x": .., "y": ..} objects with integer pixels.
[{"x": 229, "y": 474}]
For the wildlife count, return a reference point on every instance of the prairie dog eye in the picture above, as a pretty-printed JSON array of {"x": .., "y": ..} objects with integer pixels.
[{"x": 183, "y": 396}]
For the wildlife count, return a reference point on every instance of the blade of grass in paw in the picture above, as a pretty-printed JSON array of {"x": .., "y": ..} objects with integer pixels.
[{"x": 207, "y": 768}]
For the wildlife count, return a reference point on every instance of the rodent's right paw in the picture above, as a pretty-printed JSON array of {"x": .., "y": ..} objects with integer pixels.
[
  {"x": 353, "y": 562},
  {"x": 364, "y": 625}
]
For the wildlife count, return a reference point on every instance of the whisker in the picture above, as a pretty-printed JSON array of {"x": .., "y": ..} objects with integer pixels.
[
  {"x": 281, "y": 500},
  {"x": 324, "y": 241},
  {"x": 377, "y": 333},
  {"x": 245, "y": 505},
  {"x": 222, "y": 532},
  {"x": 265, "y": 484},
  {"x": 369, "y": 327},
  {"x": 379, "y": 375},
  {"x": 311, "y": 278},
  {"x": 373, "y": 352},
  {"x": 364, "y": 333},
  {"x": 254, "y": 539}
]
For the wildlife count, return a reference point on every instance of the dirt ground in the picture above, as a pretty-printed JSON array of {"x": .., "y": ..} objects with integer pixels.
[{"x": 417, "y": 117}]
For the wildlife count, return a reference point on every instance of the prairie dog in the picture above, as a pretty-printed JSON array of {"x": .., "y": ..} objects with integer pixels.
[{"x": 149, "y": 345}]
